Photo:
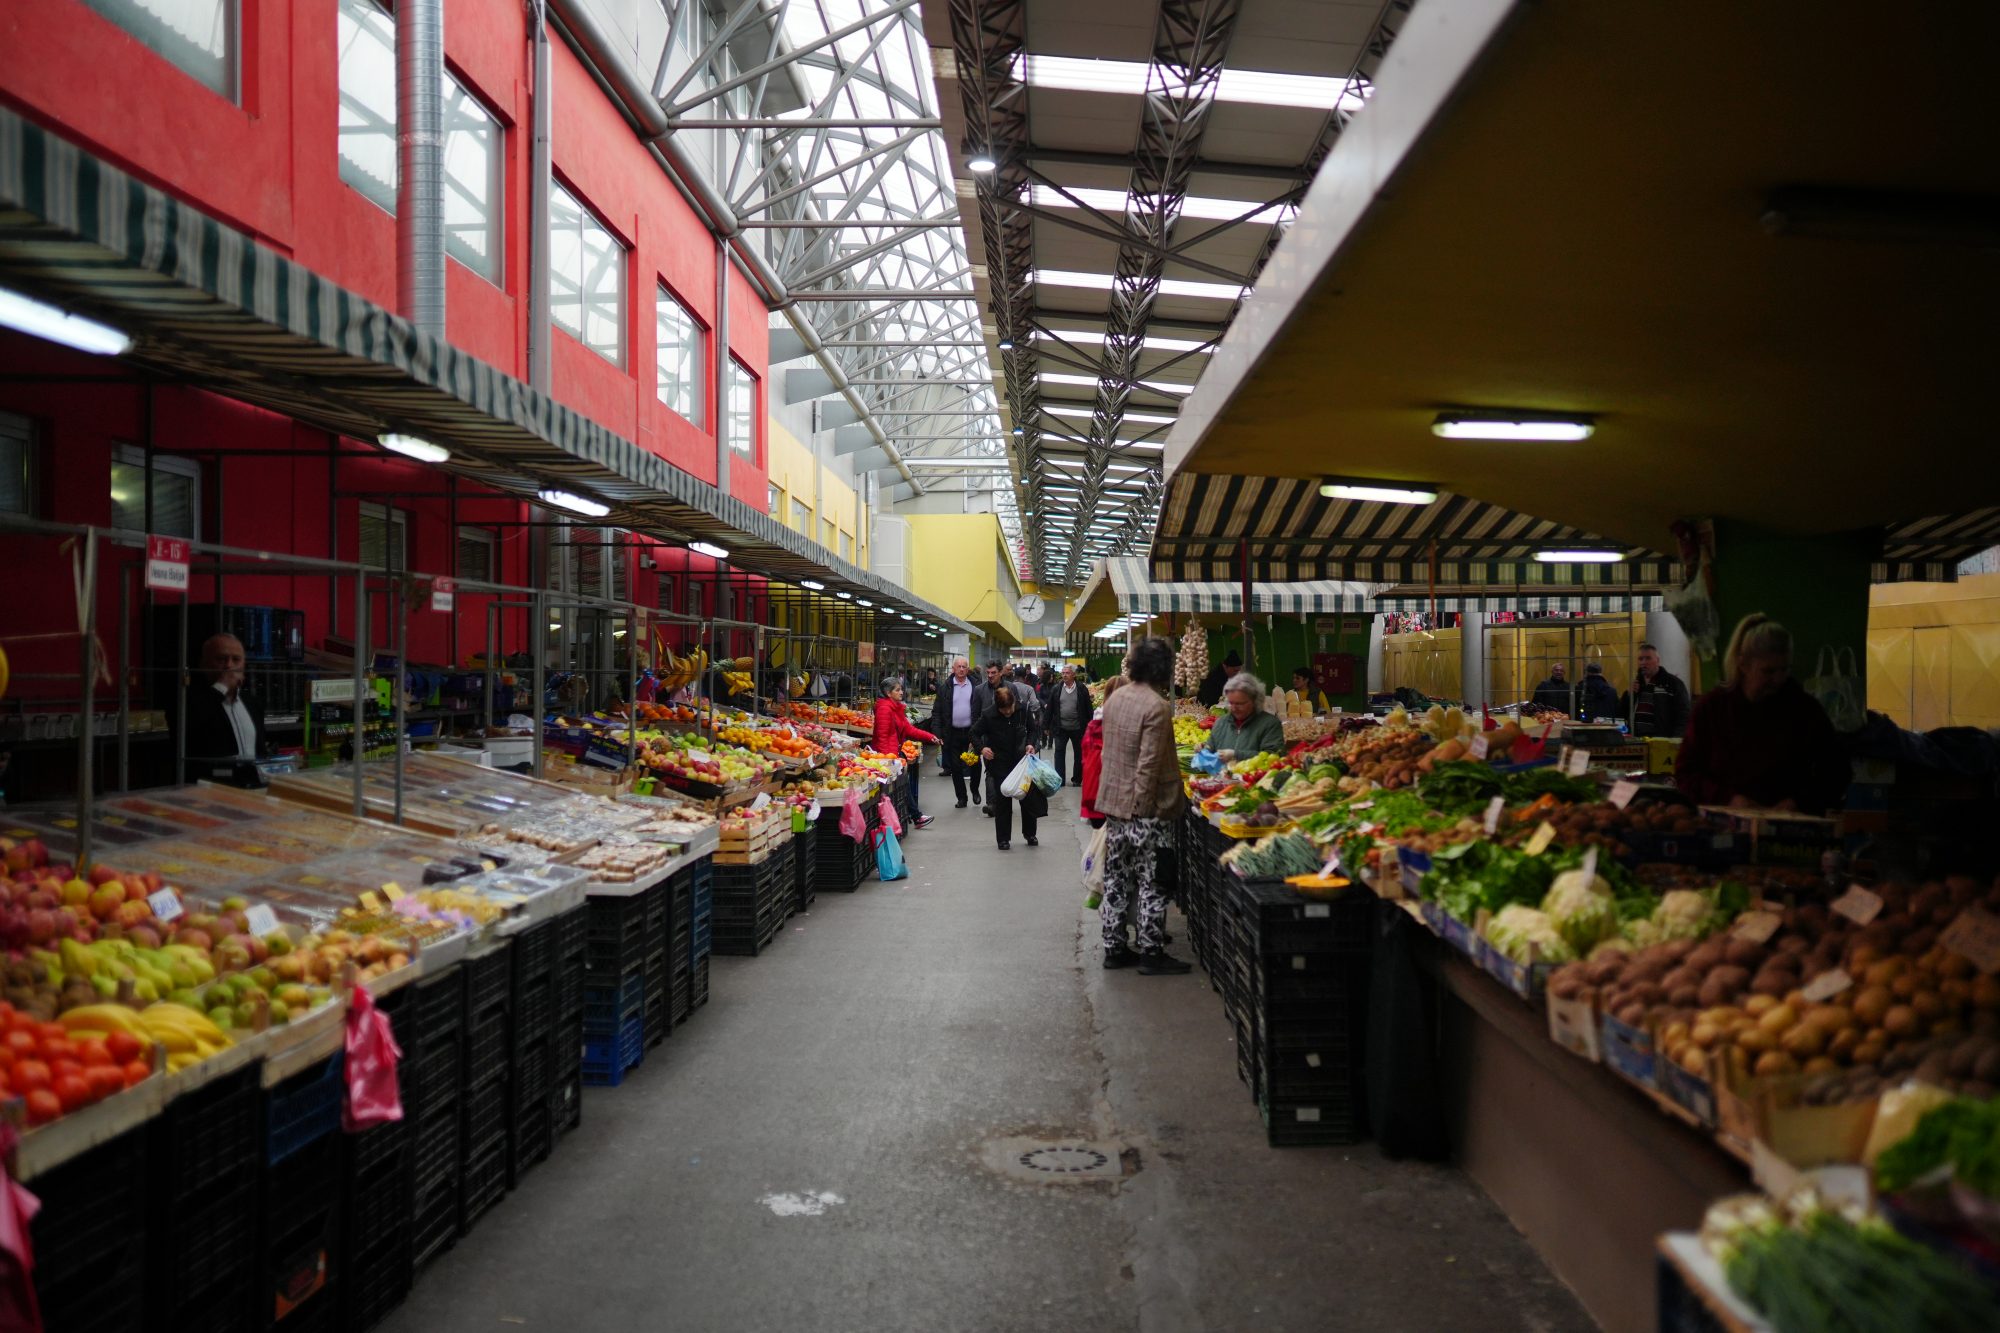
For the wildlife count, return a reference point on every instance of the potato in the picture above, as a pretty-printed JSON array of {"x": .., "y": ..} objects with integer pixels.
[
  {"x": 1821, "y": 1064},
  {"x": 1965, "y": 1056},
  {"x": 1676, "y": 950},
  {"x": 1693, "y": 1059},
  {"x": 1708, "y": 953},
  {"x": 1867, "y": 1053},
  {"x": 1633, "y": 1015},
  {"x": 1778, "y": 1019},
  {"x": 1987, "y": 1067},
  {"x": 1674, "y": 1032},
  {"x": 1756, "y": 1039},
  {"x": 1887, "y": 970},
  {"x": 1833, "y": 1017},
  {"x": 1872, "y": 1003},
  {"x": 1930, "y": 1005},
  {"x": 1681, "y": 976},
  {"x": 1757, "y": 1005},
  {"x": 1986, "y": 992},
  {"x": 1904, "y": 986},
  {"x": 1935, "y": 1068},
  {"x": 1844, "y": 1043},
  {"x": 1774, "y": 1062},
  {"x": 1705, "y": 1035},
  {"x": 1917, "y": 941},
  {"x": 1564, "y": 985},
  {"x": 1604, "y": 971},
  {"x": 1722, "y": 984},
  {"x": 1684, "y": 997},
  {"x": 1949, "y": 1026},
  {"x": 1900, "y": 1021},
  {"x": 1793, "y": 944},
  {"x": 1774, "y": 984},
  {"x": 1956, "y": 966},
  {"x": 1803, "y": 1041}
]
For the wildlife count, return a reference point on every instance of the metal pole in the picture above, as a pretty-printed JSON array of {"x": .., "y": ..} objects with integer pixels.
[
  {"x": 721, "y": 413},
  {"x": 124, "y": 678},
  {"x": 1243, "y": 559},
  {"x": 538, "y": 643},
  {"x": 361, "y": 627},
  {"x": 492, "y": 620},
  {"x": 181, "y": 682},
  {"x": 86, "y": 745},
  {"x": 420, "y": 163},
  {"x": 399, "y": 685},
  {"x": 540, "y": 158},
  {"x": 632, "y": 684}
]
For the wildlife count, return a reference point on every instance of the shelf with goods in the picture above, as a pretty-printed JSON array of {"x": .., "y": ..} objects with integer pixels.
[{"x": 1740, "y": 979}]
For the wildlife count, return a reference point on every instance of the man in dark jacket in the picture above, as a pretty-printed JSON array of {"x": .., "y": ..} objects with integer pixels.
[
  {"x": 1004, "y": 734},
  {"x": 223, "y": 723},
  {"x": 1066, "y": 713},
  {"x": 954, "y": 713},
  {"x": 1597, "y": 699},
  {"x": 1554, "y": 692},
  {"x": 1210, "y": 693},
  {"x": 1658, "y": 700}
]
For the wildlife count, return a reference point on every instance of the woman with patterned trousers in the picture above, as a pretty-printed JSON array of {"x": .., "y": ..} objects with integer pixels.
[{"x": 1139, "y": 793}]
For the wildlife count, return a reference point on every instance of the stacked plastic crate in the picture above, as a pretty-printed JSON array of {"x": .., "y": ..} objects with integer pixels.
[
  {"x": 840, "y": 863},
  {"x": 702, "y": 935},
  {"x": 91, "y": 1237},
  {"x": 207, "y": 1157},
  {"x": 488, "y": 1040},
  {"x": 680, "y": 945},
  {"x": 614, "y": 988},
  {"x": 805, "y": 866},
  {"x": 431, "y": 1032},
  {"x": 751, "y": 901},
  {"x": 566, "y": 1083},
  {"x": 376, "y": 1221},
  {"x": 658, "y": 971},
  {"x": 530, "y": 1123},
  {"x": 301, "y": 1214}
]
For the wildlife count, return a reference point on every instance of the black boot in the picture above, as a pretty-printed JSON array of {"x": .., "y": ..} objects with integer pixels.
[{"x": 1160, "y": 963}]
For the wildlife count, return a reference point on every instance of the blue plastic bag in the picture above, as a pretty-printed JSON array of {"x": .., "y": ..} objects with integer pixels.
[
  {"x": 1043, "y": 775},
  {"x": 1206, "y": 761},
  {"x": 889, "y": 862}
]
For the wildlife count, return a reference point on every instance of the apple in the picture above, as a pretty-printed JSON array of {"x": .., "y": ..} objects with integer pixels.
[
  {"x": 41, "y": 926},
  {"x": 129, "y": 913},
  {"x": 144, "y": 936},
  {"x": 76, "y": 892},
  {"x": 135, "y": 890},
  {"x": 100, "y": 874},
  {"x": 194, "y": 938},
  {"x": 106, "y": 899}
]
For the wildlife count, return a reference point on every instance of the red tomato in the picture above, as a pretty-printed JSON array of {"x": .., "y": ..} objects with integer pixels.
[
  {"x": 104, "y": 1080},
  {"x": 43, "y": 1106},
  {"x": 125, "y": 1047},
  {"x": 137, "y": 1071},
  {"x": 7, "y": 1056},
  {"x": 51, "y": 1032},
  {"x": 61, "y": 1069},
  {"x": 72, "y": 1091},
  {"x": 23, "y": 1044},
  {"x": 20, "y": 1022},
  {"x": 93, "y": 1053},
  {"x": 31, "y": 1074},
  {"x": 58, "y": 1048}
]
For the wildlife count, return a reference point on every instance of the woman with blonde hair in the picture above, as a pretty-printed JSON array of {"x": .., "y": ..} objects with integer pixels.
[{"x": 1759, "y": 739}]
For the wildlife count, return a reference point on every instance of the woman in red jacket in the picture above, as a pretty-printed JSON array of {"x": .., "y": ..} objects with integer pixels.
[
  {"x": 1093, "y": 758},
  {"x": 892, "y": 728}
]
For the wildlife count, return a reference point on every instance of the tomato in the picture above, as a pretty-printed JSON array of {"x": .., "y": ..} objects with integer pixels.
[
  {"x": 20, "y": 1022},
  {"x": 104, "y": 1080},
  {"x": 24, "y": 1044},
  {"x": 125, "y": 1047},
  {"x": 31, "y": 1074},
  {"x": 52, "y": 1032},
  {"x": 59, "y": 1069},
  {"x": 137, "y": 1071},
  {"x": 72, "y": 1091},
  {"x": 58, "y": 1048},
  {"x": 43, "y": 1106},
  {"x": 91, "y": 1053}
]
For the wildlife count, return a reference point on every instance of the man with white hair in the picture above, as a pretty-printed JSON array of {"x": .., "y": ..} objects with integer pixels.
[
  {"x": 953, "y": 713},
  {"x": 1246, "y": 729},
  {"x": 223, "y": 723}
]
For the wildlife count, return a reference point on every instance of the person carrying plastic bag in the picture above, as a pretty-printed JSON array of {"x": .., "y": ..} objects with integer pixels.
[{"x": 1005, "y": 739}]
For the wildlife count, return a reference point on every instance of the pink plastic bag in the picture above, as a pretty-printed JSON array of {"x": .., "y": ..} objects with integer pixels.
[
  {"x": 372, "y": 1054},
  {"x": 852, "y": 822},
  {"x": 18, "y": 1207},
  {"x": 890, "y": 819}
]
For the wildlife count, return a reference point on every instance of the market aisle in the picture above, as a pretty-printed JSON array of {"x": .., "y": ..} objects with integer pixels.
[{"x": 870, "y": 1055}]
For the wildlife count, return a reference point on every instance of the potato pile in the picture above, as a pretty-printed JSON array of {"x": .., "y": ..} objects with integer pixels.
[
  {"x": 1386, "y": 757},
  {"x": 1909, "y": 1003},
  {"x": 1599, "y": 824}
]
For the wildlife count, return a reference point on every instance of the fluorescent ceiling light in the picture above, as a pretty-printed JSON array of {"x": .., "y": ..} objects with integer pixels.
[
  {"x": 1148, "y": 418},
  {"x": 906, "y": 615},
  {"x": 813, "y": 584},
  {"x": 411, "y": 446},
  {"x": 1579, "y": 557},
  {"x": 1407, "y": 493},
  {"x": 1006, "y": 344},
  {"x": 863, "y": 601},
  {"x": 576, "y": 504},
  {"x": 1101, "y": 282},
  {"x": 1150, "y": 343},
  {"x": 1157, "y": 386},
  {"x": 981, "y": 164},
  {"x": 1502, "y": 425},
  {"x": 709, "y": 549},
  {"x": 1310, "y": 91},
  {"x": 844, "y": 596},
  {"x": 1116, "y": 202},
  {"x": 39, "y": 320}
]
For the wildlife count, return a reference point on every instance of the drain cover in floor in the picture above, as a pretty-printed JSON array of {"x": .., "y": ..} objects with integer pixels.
[
  {"x": 1067, "y": 1161},
  {"x": 1057, "y": 1161}
]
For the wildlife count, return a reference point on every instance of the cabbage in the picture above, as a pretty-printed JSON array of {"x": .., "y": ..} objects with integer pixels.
[
  {"x": 1526, "y": 935},
  {"x": 1581, "y": 909},
  {"x": 1682, "y": 915}
]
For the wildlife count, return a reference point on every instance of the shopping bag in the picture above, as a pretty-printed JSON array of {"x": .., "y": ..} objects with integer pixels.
[
  {"x": 890, "y": 819},
  {"x": 1043, "y": 774},
  {"x": 372, "y": 1053},
  {"x": 1093, "y": 862},
  {"x": 1206, "y": 761},
  {"x": 1836, "y": 683},
  {"x": 1016, "y": 783},
  {"x": 889, "y": 856},
  {"x": 852, "y": 822}
]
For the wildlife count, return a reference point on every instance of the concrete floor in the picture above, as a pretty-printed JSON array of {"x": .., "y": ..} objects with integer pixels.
[{"x": 872, "y": 1054}]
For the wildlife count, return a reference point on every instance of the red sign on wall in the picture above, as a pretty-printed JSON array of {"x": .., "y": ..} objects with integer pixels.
[
  {"x": 442, "y": 591},
  {"x": 167, "y": 564}
]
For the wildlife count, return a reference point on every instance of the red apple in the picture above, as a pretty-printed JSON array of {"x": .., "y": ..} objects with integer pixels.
[
  {"x": 106, "y": 899},
  {"x": 135, "y": 890},
  {"x": 145, "y": 936},
  {"x": 194, "y": 938},
  {"x": 41, "y": 926},
  {"x": 130, "y": 913},
  {"x": 100, "y": 874}
]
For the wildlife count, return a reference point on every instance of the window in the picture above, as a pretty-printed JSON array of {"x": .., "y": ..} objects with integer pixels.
[
  {"x": 677, "y": 338},
  {"x": 775, "y": 502},
  {"x": 17, "y": 465},
  {"x": 176, "y": 493},
  {"x": 827, "y": 537},
  {"x": 743, "y": 412},
  {"x": 843, "y": 546},
  {"x": 477, "y": 550},
  {"x": 802, "y": 516},
  {"x": 587, "y": 275},
  {"x": 385, "y": 537},
  {"x": 197, "y": 35},
  {"x": 472, "y": 165}
]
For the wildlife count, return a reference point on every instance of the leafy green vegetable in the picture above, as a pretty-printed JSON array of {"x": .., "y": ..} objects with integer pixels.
[
  {"x": 1460, "y": 787},
  {"x": 1962, "y": 1133},
  {"x": 1522, "y": 788},
  {"x": 1831, "y": 1275}
]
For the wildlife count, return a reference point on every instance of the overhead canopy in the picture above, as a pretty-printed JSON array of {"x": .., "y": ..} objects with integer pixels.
[
  {"x": 209, "y": 305},
  {"x": 1770, "y": 283},
  {"x": 1121, "y": 586}
]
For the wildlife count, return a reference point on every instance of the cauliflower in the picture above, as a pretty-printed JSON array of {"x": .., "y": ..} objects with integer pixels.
[
  {"x": 1581, "y": 909},
  {"x": 1527, "y": 936},
  {"x": 1641, "y": 932},
  {"x": 1682, "y": 915}
]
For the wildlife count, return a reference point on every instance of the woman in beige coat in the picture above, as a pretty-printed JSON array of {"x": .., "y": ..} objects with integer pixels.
[{"x": 1140, "y": 796}]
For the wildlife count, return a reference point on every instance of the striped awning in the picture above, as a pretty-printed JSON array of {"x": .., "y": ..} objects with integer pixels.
[
  {"x": 210, "y": 306},
  {"x": 1930, "y": 550},
  {"x": 1408, "y": 603},
  {"x": 1137, "y": 592}
]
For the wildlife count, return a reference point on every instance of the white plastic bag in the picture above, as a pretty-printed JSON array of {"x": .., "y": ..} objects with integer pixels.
[
  {"x": 1093, "y": 863},
  {"x": 1836, "y": 683},
  {"x": 1015, "y": 785}
]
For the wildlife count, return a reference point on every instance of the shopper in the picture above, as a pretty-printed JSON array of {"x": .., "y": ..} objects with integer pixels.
[
  {"x": 1004, "y": 735},
  {"x": 1759, "y": 739},
  {"x": 1554, "y": 692},
  {"x": 1596, "y": 698},
  {"x": 953, "y": 715},
  {"x": 1302, "y": 684},
  {"x": 1092, "y": 762},
  {"x": 1210, "y": 693},
  {"x": 224, "y": 724},
  {"x": 1139, "y": 794},
  {"x": 995, "y": 676},
  {"x": 1657, "y": 703},
  {"x": 892, "y": 728},
  {"x": 1246, "y": 729},
  {"x": 1069, "y": 713}
]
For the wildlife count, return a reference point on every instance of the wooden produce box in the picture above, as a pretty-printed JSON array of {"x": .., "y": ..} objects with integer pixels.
[{"x": 754, "y": 843}]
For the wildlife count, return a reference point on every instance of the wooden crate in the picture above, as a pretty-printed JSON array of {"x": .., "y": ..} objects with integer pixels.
[{"x": 755, "y": 844}]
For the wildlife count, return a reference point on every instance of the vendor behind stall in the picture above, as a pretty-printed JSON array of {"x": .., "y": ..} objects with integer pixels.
[
  {"x": 224, "y": 724},
  {"x": 1759, "y": 739},
  {"x": 1246, "y": 729}
]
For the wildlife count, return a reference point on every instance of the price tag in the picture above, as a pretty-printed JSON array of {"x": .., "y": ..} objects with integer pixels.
[
  {"x": 1362, "y": 805},
  {"x": 1298, "y": 962},
  {"x": 1858, "y": 905},
  {"x": 1578, "y": 762},
  {"x": 1590, "y": 863},
  {"x": 1544, "y": 835},
  {"x": 393, "y": 891},
  {"x": 1479, "y": 747},
  {"x": 1975, "y": 935},
  {"x": 166, "y": 904},
  {"x": 167, "y": 564},
  {"x": 260, "y": 920},
  {"x": 1826, "y": 985},
  {"x": 1622, "y": 792},
  {"x": 1756, "y": 927},
  {"x": 1391, "y": 866},
  {"x": 370, "y": 901},
  {"x": 1329, "y": 870},
  {"x": 763, "y": 799},
  {"x": 1312, "y": 1059},
  {"x": 1493, "y": 809},
  {"x": 1317, "y": 911}
]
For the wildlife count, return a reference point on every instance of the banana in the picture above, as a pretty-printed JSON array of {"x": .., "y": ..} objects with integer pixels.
[{"x": 103, "y": 1017}]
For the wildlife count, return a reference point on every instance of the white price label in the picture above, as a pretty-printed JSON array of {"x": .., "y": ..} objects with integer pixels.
[
  {"x": 1858, "y": 905},
  {"x": 1622, "y": 792},
  {"x": 1479, "y": 747},
  {"x": 443, "y": 593},
  {"x": 1756, "y": 927},
  {"x": 1312, "y": 1059},
  {"x": 1975, "y": 935},
  {"x": 1579, "y": 762},
  {"x": 1545, "y": 833},
  {"x": 1826, "y": 985},
  {"x": 166, "y": 904},
  {"x": 1317, "y": 910},
  {"x": 1308, "y": 1114},
  {"x": 1298, "y": 962},
  {"x": 763, "y": 799},
  {"x": 167, "y": 560},
  {"x": 1329, "y": 870},
  {"x": 260, "y": 920},
  {"x": 1493, "y": 809},
  {"x": 1590, "y": 864}
]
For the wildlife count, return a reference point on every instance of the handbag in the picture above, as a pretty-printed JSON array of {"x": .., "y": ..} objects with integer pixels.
[
  {"x": 1836, "y": 683},
  {"x": 1016, "y": 783},
  {"x": 889, "y": 862}
]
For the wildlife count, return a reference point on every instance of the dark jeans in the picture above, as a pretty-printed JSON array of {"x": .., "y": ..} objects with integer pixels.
[
  {"x": 1003, "y": 807},
  {"x": 964, "y": 776},
  {"x": 1067, "y": 743},
  {"x": 915, "y": 769}
]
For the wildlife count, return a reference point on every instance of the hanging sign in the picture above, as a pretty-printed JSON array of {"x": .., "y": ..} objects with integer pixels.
[
  {"x": 442, "y": 593},
  {"x": 167, "y": 564}
]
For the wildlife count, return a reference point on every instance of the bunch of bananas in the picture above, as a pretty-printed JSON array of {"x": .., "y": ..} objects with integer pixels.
[
  {"x": 187, "y": 1035},
  {"x": 674, "y": 672},
  {"x": 739, "y": 682}
]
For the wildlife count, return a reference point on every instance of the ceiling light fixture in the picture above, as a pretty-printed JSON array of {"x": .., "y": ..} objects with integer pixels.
[
  {"x": 576, "y": 504},
  {"x": 41, "y": 320},
  {"x": 1006, "y": 344},
  {"x": 1579, "y": 557},
  {"x": 1383, "y": 492},
  {"x": 412, "y": 446},
  {"x": 1103, "y": 282},
  {"x": 709, "y": 549},
  {"x": 815, "y": 586},
  {"x": 863, "y": 601},
  {"x": 844, "y": 596},
  {"x": 1503, "y": 425},
  {"x": 982, "y": 164}
]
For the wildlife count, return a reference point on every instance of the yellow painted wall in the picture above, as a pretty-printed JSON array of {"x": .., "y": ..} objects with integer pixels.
[
  {"x": 1934, "y": 652},
  {"x": 792, "y": 469},
  {"x": 1428, "y": 663},
  {"x": 1517, "y": 659},
  {"x": 952, "y": 562}
]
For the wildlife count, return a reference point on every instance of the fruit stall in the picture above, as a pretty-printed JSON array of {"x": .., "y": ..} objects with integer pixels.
[{"x": 1684, "y": 997}]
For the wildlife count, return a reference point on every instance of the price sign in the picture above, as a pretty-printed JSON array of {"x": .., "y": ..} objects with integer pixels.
[
  {"x": 1858, "y": 905},
  {"x": 1578, "y": 762},
  {"x": 763, "y": 799},
  {"x": 370, "y": 901},
  {"x": 1975, "y": 935},
  {"x": 393, "y": 891},
  {"x": 260, "y": 920},
  {"x": 1826, "y": 985},
  {"x": 1493, "y": 810},
  {"x": 1544, "y": 835},
  {"x": 442, "y": 593},
  {"x": 166, "y": 904},
  {"x": 1756, "y": 927},
  {"x": 1590, "y": 863},
  {"x": 1622, "y": 792},
  {"x": 1479, "y": 747},
  {"x": 167, "y": 564},
  {"x": 1331, "y": 868}
]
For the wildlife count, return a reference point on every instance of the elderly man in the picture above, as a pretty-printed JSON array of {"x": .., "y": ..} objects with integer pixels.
[
  {"x": 1067, "y": 713},
  {"x": 223, "y": 723},
  {"x": 1554, "y": 692},
  {"x": 953, "y": 713},
  {"x": 1657, "y": 703},
  {"x": 1246, "y": 729}
]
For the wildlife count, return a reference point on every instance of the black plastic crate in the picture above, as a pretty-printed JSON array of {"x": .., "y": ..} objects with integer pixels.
[
  {"x": 90, "y": 1236},
  {"x": 301, "y": 1259},
  {"x": 377, "y": 1145},
  {"x": 304, "y": 1108},
  {"x": 1276, "y": 917},
  {"x": 432, "y": 1075},
  {"x": 683, "y": 995},
  {"x": 610, "y": 1003},
  {"x": 377, "y": 1280},
  {"x": 1294, "y": 1124},
  {"x": 484, "y": 1183},
  {"x": 698, "y": 982},
  {"x": 487, "y": 1042},
  {"x": 212, "y": 1136},
  {"x": 376, "y": 1204},
  {"x": 658, "y": 1008},
  {"x": 568, "y": 981},
  {"x": 610, "y": 1054},
  {"x": 739, "y": 941},
  {"x": 435, "y": 1008},
  {"x": 434, "y": 1150},
  {"x": 485, "y": 1119},
  {"x": 572, "y": 929},
  {"x": 535, "y": 951},
  {"x": 433, "y": 1221},
  {"x": 534, "y": 1011},
  {"x": 566, "y": 1099},
  {"x": 619, "y": 921},
  {"x": 488, "y": 980},
  {"x": 605, "y": 961},
  {"x": 229, "y": 1307},
  {"x": 201, "y": 1251},
  {"x": 113, "y": 1301},
  {"x": 528, "y": 1079}
]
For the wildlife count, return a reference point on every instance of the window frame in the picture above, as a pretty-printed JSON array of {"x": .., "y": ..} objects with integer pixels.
[
  {"x": 802, "y": 518},
  {"x": 697, "y": 376},
  {"x": 189, "y": 469},
  {"x": 743, "y": 378},
  {"x": 478, "y": 536},
  {"x": 588, "y": 216},
  {"x": 398, "y": 524},
  {"x": 15, "y": 425},
  {"x": 232, "y": 56}
]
